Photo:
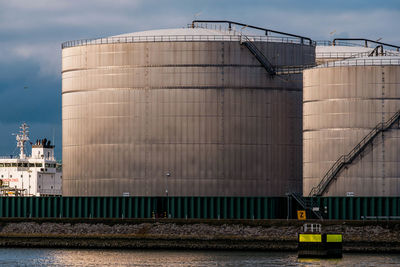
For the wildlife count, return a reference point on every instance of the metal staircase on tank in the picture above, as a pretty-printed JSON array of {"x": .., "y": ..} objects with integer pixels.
[
  {"x": 308, "y": 204},
  {"x": 345, "y": 160},
  {"x": 270, "y": 68},
  {"x": 258, "y": 55}
]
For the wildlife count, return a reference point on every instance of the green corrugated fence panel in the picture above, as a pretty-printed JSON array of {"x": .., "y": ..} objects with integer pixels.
[
  {"x": 211, "y": 215},
  {"x": 26, "y": 207},
  {"x": 352, "y": 208},
  {"x": 330, "y": 208},
  {"x": 79, "y": 207},
  {"x": 205, "y": 211},
  {"x": 120, "y": 207},
  {"x": 219, "y": 215},
  {"x": 272, "y": 208},
  {"x": 336, "y": 208},
  {"x": 387, "y": 206},
  {"x": 266, "y": 210},
  {"x": 104, "y": 212},
  {"x": 172, "y": 207},
  {"x": 258, "y": 208},
  {"x": 372, "y": 207},
  {"x": 365, "y": 206},
  {"x": 142, "y": 202},
  {"x": 135, "y": 207},
  {"x": 398, "y": 206},
  {"x": 86, "y": 207},
  {"x": 244, "y": 209},
  {"x": 191, "y": 207},
  {"x": 47, "y": 206},
  {"x": 98, "y": 207},
  {"x": 185, "y": 207},
  {"x": 13, "y": 206},
  {"x": 111, "y": 207},
  {"x": 252, "y": 208},
  {"x": 55, "y": 206},
  {"x": 73, "y": 206},
  {"x": 31, "y": 207},
  {"x": 66, "y": 207},
  {"x": 117, "y": 210},
  {"x": 19, "y": 206},
  {"x": 238, "y": 207},
  {"x": 357, "y": 209},
  {"x": 179, "y": 209},
  {"x": 198, "y": 216},
  {"x": 92, "y": 207},
  {"x": 344, "y": 208},
  {"x": 61, "y": 207},
  {"x": 123, "y": 207},
  {"x": 130, "y": 206},
  {"x": 42, "y": 207},
  {"x": 6, "y": 207},
  {"x": 379, "y": 206},
  {"x": 225, "y": 208}
]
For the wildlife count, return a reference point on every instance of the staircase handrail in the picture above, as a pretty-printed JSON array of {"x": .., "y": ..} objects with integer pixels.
[
  {"x": 263, "y": 59},
  {"x": 346, "y": 159},
  {"x": 303, "y": 203}
]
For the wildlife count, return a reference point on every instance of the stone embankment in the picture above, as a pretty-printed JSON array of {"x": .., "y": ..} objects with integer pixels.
[{"x": 191, "y": 234}]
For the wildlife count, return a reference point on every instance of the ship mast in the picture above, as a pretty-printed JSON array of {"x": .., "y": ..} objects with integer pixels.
[{"x": 22, "y": 138}]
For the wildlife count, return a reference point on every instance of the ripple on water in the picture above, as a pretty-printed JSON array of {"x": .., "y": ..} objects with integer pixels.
[{"x": 110, "y": 258}]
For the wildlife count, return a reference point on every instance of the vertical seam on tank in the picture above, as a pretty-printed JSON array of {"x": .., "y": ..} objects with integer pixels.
[
  {"x": 223, "y": 113},
  {"x": 146, "y": 147}
]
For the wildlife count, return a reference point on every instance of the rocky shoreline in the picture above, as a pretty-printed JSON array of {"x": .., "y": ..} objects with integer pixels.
[{"x": 276, "y": 235}]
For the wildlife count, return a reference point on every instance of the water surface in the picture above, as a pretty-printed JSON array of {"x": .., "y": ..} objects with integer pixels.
[{"x": 86, "y": 257}]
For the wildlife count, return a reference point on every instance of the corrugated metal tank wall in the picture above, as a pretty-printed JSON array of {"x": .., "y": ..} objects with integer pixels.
[
  {"x": 190, "y": 118},
  {"x": 342, "y": 105}
]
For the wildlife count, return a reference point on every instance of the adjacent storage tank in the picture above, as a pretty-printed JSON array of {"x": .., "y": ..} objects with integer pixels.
[
  {"x": 181, "y": 112},
  {"x": 343, "y": 102},
  {"x": 345, "y": 48},
  {"x": 325, "y": 52}
]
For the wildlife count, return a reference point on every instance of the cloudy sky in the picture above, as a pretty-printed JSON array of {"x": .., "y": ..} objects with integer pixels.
[{"x": 31, "y": 33}]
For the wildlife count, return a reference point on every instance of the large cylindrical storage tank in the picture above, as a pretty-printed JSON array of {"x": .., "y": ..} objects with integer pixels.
[
  {"x": 181, "y": 112},
  {"x": 343, "y": 102}
]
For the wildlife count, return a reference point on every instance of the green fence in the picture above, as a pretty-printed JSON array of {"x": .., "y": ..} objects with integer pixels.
[
  {"x": 358, "y": 208},
  {"x": 339, "y": 208},
  {"x": 144, "y": 207}
]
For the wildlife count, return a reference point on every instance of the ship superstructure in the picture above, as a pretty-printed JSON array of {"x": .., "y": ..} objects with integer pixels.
[{"x": 35, "y": 175}]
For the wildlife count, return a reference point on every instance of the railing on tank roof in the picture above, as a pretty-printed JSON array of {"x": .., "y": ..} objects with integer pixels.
[
  {"x": 301, "y": 39},
  {"x": 350, "y": 42},
  {"x": 352, "y": 54},
  {"x": 341, "y": 54},
  {"x": 362, "y": 62},
  {"x": 366, "y": 41},
  {"x": 338, "y": 43},
  {"x": 176, "y": 38}
]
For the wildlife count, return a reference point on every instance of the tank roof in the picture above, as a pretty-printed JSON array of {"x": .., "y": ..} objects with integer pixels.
[
  {"x": 342, "y": 49},
  {"x": 180, "y": 31},
  {"x": 181, "y": 35},
  {"x": 364, "y": 61}
]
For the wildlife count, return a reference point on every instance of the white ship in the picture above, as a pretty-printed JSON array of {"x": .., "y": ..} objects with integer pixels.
[{"x": 35, "y": 175}]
